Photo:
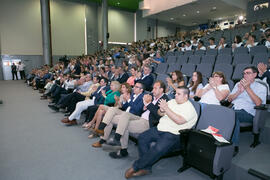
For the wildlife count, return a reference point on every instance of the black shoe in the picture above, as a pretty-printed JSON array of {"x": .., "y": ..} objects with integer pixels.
[
  {"x": 118, "y": 155},
  {"x": 68, "y": 114},
  {"x": 53, "y": 107},
  {"x": 236, "y": 151}
]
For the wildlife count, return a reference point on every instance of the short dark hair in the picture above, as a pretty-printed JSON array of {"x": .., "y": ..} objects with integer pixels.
[
  {"x": 211, "y": 38},
  {"x": 185, "y": 90},
  {"x": 253, "y": 68},
  {"x": 142, "y": 85},
  {"x": 105, "y": 79},
  {"x": 161, "y": 84}
]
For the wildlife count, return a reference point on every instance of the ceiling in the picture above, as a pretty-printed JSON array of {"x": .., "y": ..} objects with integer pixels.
[
  {"x": 128, "y": 5},
  {"x": 200, "y": 12}
]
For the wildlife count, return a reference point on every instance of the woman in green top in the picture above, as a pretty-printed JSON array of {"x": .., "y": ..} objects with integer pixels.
[
  {"x": 125, "y": 91},
  {"x": 109, "y": 101},
  {"x": 109, "y": 95}
]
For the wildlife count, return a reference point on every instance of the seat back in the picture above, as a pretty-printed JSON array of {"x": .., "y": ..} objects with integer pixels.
[
  {"x": 258, "y": 50},
  {"x": 258, "y": 58},
  {"x": 188, "y": 53},
  {"x": 208, "y": 59},
  {"x": 162, "y": 68},
  {"x": 211, "y": 52},
  {"x": 188, "y": 69},
  {"x": 182, "y": 59},
  {"x": 225, "y": 51},
  {"x": 242, "y": 59},
  {"x": 162, "y": 77},
  {"x": 171, "y": 59},
  {"x": 219, "y": 117},
  {"x": 241, "y": 50},
  {"x": 199, "y": 52},
  {"x": 174, "y": 67},
  {"x": 224, "y": 59},
  {"x": 205, "y": 68},
  {"x": 194, "y": 59}
]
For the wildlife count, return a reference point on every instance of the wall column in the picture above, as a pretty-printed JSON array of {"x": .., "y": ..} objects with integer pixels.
[
  {"x": 105, "y": 23},
  {"x": 46, "y": 31}
]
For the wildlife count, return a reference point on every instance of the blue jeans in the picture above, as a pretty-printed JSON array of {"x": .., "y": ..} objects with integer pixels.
[
  {"x": 148, "y": 153},
  {"x": 240, "y": 116}
]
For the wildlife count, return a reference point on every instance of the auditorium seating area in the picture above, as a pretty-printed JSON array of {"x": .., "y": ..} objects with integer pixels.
[{"x": 230, "y": 61}]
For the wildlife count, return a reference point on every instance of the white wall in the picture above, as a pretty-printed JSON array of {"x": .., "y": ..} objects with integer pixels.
[
  {"x": 120, "y": 25},
  {"x": 20, "y": 27},
  {"x": 67, "y": 27}
]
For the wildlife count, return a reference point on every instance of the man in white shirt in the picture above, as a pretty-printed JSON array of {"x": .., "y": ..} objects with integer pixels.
[
  {"x": 21, "y": 67},
  {"x": 245, "y": 95},
  {"x": 178, "y": 114},
  {"x": 212, "y": 43}
]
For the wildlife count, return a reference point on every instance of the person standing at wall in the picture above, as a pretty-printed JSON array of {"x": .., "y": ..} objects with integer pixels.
[
  {"x": 21, "y": 70},
  {"x": 14, "y": 71}
]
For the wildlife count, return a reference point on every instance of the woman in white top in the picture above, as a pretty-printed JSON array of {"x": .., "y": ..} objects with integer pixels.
[
  {"x": 195, "y": 84},
  {"x": 237, "y": 42},
  {"x": 251, "y": 42},
  {"x": 216, "y": 90},
  {"x": 212, "y": 43},
  {"x": 200, "y": 45}
]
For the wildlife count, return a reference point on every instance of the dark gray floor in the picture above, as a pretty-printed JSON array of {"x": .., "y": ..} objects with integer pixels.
[{"x": 34, "y": 145}]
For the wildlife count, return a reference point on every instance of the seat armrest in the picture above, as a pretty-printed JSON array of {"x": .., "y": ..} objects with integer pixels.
[
  {"x": 196, "y": 98},
  {"x": 184, "y": 131},
  {"x": 261, "y": 107},
  {"x": 221, "y": 144}
]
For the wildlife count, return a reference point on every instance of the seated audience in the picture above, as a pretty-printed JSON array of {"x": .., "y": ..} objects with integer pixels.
[{"x": 109, "y": 98}]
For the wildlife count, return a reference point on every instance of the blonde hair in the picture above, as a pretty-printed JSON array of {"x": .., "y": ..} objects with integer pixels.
[{"x": 117, "y": 85}]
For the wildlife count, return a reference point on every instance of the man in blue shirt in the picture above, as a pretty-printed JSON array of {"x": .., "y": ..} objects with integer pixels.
[{"x": 158, "y": 59}]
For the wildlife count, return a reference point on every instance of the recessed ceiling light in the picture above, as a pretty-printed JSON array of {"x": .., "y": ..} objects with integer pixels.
[
  {"x": 198, "y": 12},
  {"x": 184, "y": 15}
]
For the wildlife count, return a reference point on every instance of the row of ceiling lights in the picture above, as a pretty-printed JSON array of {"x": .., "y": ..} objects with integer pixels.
[{"x": 214, "y": 8}]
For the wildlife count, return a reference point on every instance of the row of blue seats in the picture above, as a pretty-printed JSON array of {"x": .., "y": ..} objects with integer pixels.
[
  {"x": 240, "y": 50},
  {"x": 221, "y": 58},
  {"x": 230, "y": 72}
]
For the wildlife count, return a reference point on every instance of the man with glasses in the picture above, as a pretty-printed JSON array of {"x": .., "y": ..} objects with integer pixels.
[
  {"x": 146, "y": 78},
  {"x": 132, "y": 105},
  {"x": 245, "y": 95}
]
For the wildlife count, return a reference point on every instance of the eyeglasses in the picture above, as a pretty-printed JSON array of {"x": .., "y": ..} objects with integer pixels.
[
  {"x": 138, "y": 87},
  {"x": 248, "y": 73}
]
